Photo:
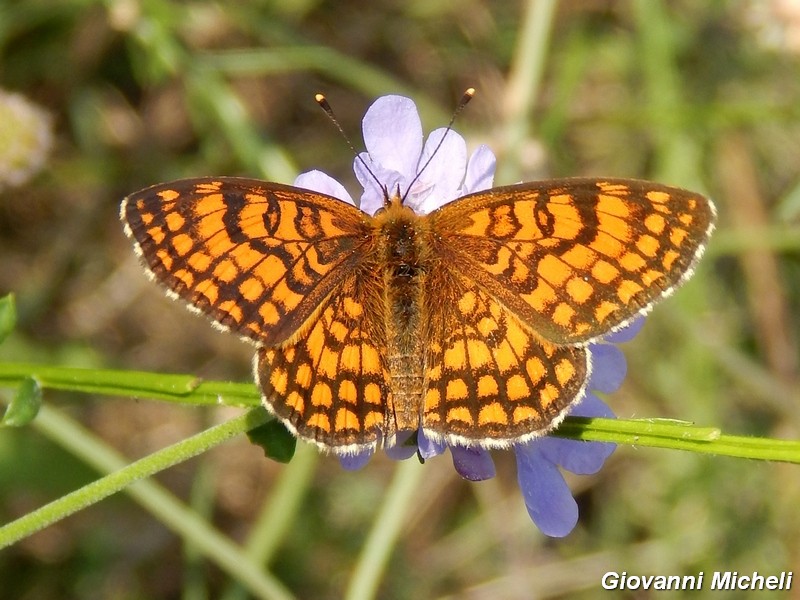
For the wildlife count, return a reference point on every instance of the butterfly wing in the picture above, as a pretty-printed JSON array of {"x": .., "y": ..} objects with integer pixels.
[
  {"x": 576, "y": 258},
  {"x": 292, "y": 270},
  {"x": 258, "y": 258},
  {"x": 331, "y": 386},
  {"x": 490, "y": 379},
  {"x": 527, "y": 275}
]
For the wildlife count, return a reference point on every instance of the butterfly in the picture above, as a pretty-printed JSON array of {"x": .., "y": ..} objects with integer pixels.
[{"x": 470, "y": 322}]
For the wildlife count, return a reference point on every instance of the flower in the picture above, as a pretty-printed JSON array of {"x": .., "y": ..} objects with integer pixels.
[
  {"x": 430, "y": 175},
  {"x": 26, "y": 136},
  {"x": 395, "y": 154}
]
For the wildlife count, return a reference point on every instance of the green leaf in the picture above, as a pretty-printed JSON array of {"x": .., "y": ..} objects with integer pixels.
[
  {"x": 25, "y": 405},
  {"x": 276, "y": 441},
  {"x": 8, "y": 316}
]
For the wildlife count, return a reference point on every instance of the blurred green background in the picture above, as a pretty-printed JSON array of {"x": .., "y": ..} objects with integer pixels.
[{"x": 705, "y": 95}]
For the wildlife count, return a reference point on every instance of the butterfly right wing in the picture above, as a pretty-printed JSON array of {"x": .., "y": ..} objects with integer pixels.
[
  {"x": 259, "y": 258},
  {"x": 577, "y": 258},
  {"x": 528, "y": 274},
  {"x": 491, "y": 381}
]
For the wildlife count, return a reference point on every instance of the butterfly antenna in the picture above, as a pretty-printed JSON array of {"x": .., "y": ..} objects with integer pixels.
[
  {"x": 468, "y": 95},
  {"x": 325, "y": 105}
]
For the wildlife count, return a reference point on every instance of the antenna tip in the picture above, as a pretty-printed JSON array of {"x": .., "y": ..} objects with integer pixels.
[
  {"x": 323, "y": 102},
  {"x": 468, "y": 94}
]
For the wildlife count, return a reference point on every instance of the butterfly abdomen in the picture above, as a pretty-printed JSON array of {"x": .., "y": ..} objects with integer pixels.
[{"x": 404, "y": 246}]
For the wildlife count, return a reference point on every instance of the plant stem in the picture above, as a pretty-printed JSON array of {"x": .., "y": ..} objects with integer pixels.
[{"x": 152, "y": 496}]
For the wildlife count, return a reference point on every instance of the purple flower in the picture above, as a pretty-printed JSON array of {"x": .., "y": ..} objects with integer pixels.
[{"x": 396, "y": 155}]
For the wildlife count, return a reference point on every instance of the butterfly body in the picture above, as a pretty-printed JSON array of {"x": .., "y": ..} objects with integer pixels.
[
  {"x": 471, "y": 322},
  {"x": 405, "y": 264}
]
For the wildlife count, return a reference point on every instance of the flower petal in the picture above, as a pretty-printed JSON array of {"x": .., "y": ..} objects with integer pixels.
[
  {"x": 480, "y": 170},
  {"x": 393, "y": 134},
  {"x": 429, "y": 447},
  {"x": 627, "y": 333},
  {"x": 373, "y": 197},
  {"x": 608, "y": 368},
  {"x": 443, "y": 176},
  {"x": 400, "y": 448},
  {"x": 583, "y": 458},
  {"x": 547, "y": 497},
  {"x": 592, "y": 406},
  {"x": 323, "y": 183},
  {"x": 354, "y": 462},
  {"x": 474, "y": 464}
]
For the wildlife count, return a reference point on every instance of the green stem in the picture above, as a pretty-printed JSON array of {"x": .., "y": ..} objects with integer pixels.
[
  {"x": 180, "y": 389},
  {"x": 679, "y": 435},
  {"x": 161, "y": 503},
  {"x": 189, "y": 390}
]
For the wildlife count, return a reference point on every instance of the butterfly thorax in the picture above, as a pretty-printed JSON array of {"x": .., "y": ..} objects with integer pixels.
[{"x": 405, "y": 247}]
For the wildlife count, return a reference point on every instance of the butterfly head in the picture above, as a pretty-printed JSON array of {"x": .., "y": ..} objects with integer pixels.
[
  {"x": 392, "y": 208},
  {"x": 395, "y": 199}
]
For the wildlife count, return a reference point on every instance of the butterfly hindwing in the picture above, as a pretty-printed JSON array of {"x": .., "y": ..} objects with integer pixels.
[
  {"x": 491, "y": 380},
  {"x": 331, "y": 384}
]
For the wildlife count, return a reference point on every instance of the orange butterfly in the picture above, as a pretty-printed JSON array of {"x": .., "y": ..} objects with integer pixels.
[{"x": 470, "y": 322}]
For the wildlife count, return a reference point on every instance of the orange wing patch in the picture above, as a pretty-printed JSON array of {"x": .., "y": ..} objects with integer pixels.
[
  {"x": 331, "y": 385},
  {"x": 258, "y": 258},
  {"x": 490, "y": 379},
  {"x": 576, "y": 258}
]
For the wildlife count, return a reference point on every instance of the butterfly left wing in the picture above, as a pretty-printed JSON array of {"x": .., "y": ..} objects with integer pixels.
[
  {"x": 331, "y": 385},
  {"x": 576, "y": 258},
  {"x": 259, "y": 258}
]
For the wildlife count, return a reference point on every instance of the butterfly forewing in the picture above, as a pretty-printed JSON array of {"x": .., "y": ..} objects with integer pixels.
[
  {"x": 576, "y": 258},
  {"x": 259, "y": 258}
]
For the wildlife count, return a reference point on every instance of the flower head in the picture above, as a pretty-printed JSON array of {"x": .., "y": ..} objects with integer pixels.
[
  {"x": 26, "y": 136},
  {"x": 429, "y": 175},
  {"x": 396, "y": 153}
]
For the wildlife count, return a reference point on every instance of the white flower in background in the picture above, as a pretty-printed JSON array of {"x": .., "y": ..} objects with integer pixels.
[
  {"x": 776, "y": 24},
  {"x": 26, "y": 136}
]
